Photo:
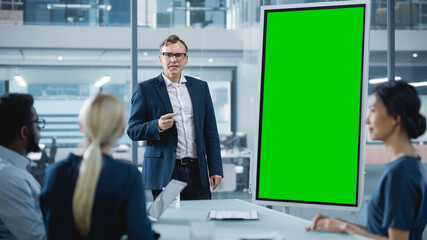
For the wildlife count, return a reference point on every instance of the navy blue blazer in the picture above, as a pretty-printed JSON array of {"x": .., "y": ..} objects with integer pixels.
[
  {"x": 118, "y": 208},
  {"x": 150, "y": 101}
]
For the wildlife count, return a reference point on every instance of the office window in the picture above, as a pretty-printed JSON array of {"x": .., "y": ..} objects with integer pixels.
[{"x": 2, "y": 87}]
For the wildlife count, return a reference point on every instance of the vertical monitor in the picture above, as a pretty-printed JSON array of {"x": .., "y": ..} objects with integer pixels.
[{"x": 313, "y": 71}]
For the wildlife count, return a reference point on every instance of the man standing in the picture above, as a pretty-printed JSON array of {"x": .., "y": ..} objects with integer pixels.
[
  {"x": 175, "y": 115},
  {"x": 20, "y": 215}
]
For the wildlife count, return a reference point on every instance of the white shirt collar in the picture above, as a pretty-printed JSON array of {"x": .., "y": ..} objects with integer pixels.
[
  {"x": 14, "y": 157},
  {"x": 169, "y": 82}
]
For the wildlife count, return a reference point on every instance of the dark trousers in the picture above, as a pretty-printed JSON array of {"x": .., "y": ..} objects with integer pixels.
[{"x": 191, "y": 175}]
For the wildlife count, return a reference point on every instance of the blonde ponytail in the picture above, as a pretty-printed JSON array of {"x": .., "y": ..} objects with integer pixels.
[
  {"x": 84, "y": 193},
  {"x": 102, "y": 119}
]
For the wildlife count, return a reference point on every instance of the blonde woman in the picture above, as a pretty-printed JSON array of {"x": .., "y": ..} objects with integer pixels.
[{"x": 94, "y": 196}]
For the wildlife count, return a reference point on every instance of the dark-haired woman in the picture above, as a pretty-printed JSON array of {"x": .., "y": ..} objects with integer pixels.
[{"x": 398, "y": 206}]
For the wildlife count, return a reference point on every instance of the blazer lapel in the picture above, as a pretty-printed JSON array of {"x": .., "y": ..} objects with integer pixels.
[{"x": 163, "y": 94}]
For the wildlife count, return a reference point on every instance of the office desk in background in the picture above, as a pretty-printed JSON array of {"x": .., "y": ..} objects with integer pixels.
[
  {"x": 240, "y": 158},
  {"x": 174, "y": 224}
]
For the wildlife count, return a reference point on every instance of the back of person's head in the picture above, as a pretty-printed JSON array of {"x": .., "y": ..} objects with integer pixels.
[
  {"x": 402, "y": 99},
  {"x": 16, "y": 112},
  {"x": 172, "y": 39},
  {"x": 102, "y": 120}
]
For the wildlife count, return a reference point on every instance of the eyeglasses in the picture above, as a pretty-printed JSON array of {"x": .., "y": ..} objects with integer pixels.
[
  {"x": 40, "y": 122},
  {"x": 178, "y": 56}
]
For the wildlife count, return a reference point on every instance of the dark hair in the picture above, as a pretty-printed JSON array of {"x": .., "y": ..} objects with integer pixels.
[
  {"x": 172, "y": 39},
  {"x": 16, "y": 112},
  {"x": 402, "y": 99}
]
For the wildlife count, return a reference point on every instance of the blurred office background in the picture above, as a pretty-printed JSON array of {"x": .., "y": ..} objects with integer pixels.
[{"x": 60, "y": 50}]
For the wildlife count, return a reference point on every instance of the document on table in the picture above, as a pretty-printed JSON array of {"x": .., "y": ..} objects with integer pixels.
[
  {"x": 232, "y": 215},
  {"x": 247, "y": 234}
]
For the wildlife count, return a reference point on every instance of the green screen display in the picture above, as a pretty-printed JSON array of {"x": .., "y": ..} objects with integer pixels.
[{"x": 311, "y": 96}]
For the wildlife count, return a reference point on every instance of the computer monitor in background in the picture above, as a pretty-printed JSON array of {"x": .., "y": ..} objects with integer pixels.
[
  {"x": 241, "y": 141},
  {"x": 227, "y": 140}
]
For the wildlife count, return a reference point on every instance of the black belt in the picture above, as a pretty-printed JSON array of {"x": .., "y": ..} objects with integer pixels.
[{"x": 186, "y": 161}]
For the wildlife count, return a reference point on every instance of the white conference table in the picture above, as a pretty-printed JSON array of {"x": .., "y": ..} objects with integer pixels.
[{"x": 174, "y": 224}]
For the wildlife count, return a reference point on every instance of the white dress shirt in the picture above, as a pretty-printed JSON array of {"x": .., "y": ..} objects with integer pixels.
[
  {"x": 184, "y": 119},
  {"x": 20, "y": 215}
]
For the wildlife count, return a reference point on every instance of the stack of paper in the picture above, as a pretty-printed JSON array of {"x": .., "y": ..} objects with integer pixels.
[
  {"x": 247, "y": 234},
  {"x": 233, "y": 215}
]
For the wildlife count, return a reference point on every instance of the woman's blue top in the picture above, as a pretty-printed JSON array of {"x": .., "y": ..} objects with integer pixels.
[
  {"x": 118, "y": 209},
  {"x": 400, "y": 199}
]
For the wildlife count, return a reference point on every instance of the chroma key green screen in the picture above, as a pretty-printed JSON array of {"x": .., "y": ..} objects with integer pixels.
[{"x": 311, "y": 105}]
